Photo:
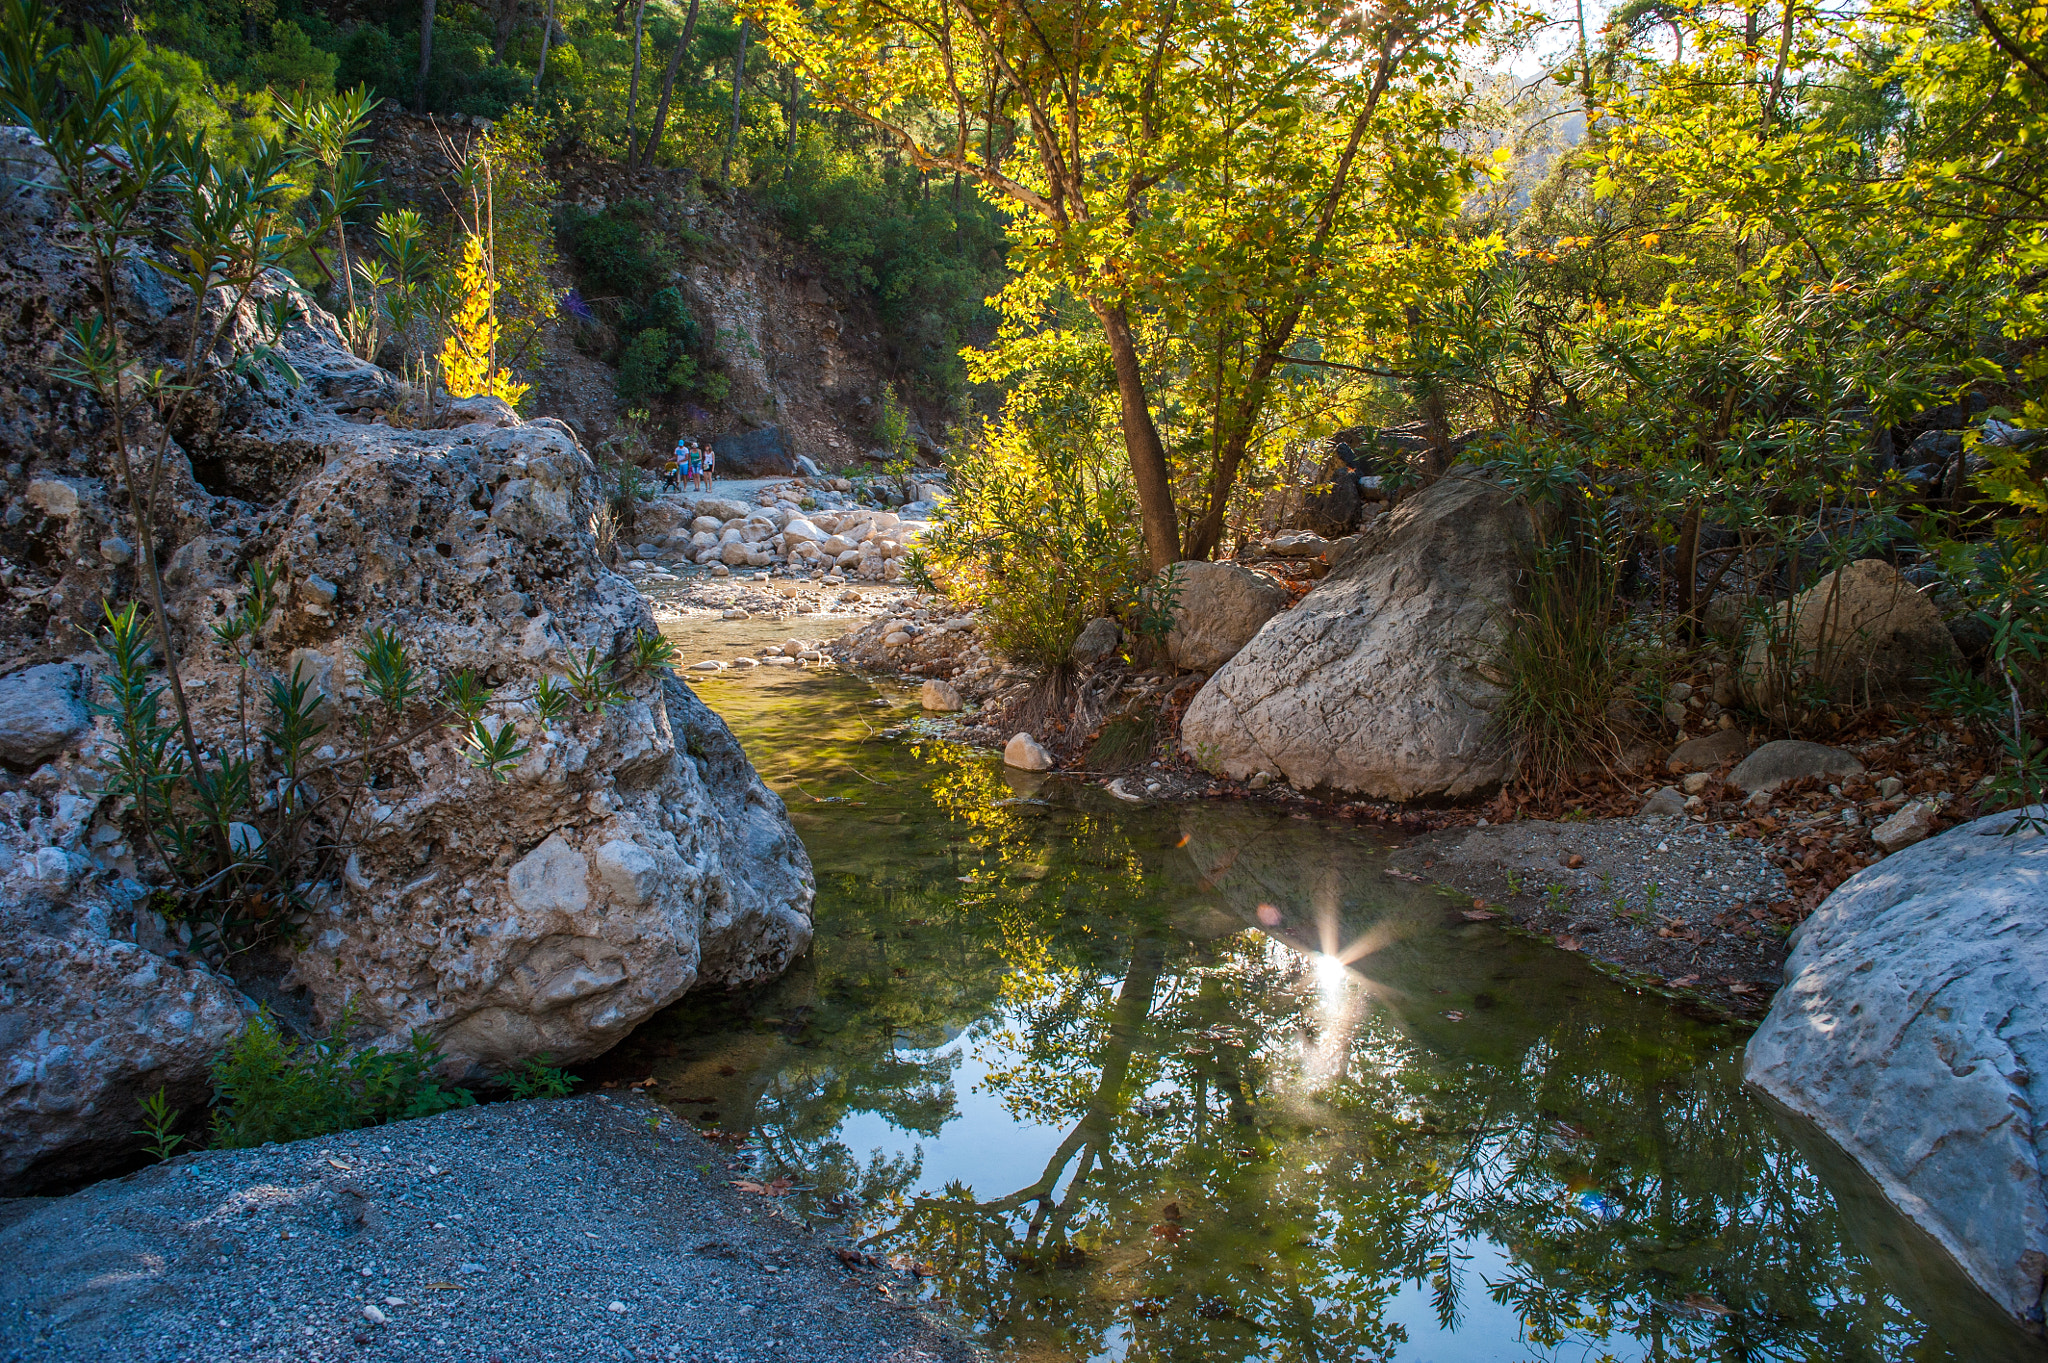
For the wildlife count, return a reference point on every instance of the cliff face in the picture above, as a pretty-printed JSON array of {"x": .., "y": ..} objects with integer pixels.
[
  {"x": 631, "y": 855},
  {"x": 800, "y": 354}
]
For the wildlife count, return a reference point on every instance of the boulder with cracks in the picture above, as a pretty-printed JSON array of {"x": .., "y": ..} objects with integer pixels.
[{"x": 629, "y": 855}]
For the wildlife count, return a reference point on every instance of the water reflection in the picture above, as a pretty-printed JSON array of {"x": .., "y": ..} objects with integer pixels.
[{"x": 1205, "y": 1084}]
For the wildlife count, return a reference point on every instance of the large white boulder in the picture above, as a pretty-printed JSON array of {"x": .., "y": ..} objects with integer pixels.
[
  {"x": 629, "y": 856},
  {"x": 1374, "y": 683},
  {"x": 1910, "y": 1030}
]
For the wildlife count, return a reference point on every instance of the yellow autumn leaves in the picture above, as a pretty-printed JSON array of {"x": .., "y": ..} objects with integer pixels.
[{"x": 469, "y": 354}]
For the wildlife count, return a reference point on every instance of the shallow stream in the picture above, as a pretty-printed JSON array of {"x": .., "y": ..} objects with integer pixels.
[{"x": 1200, "y": 1082}]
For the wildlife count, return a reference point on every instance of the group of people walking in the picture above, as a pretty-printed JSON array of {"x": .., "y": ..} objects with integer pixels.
[{"x": 692, "y": 466}]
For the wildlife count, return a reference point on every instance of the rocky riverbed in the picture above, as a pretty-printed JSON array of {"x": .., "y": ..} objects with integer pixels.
[{"x": 592, "y": 1228}]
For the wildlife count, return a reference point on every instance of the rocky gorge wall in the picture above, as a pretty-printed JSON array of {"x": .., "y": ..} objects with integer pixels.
[
  {"x": 803, "y": 356},
  {"x": 631, "y": 855}
]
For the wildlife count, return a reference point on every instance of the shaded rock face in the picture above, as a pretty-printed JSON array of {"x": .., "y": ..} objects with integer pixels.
[
  {"x": 1910, "y": 1030},
  {"x": 89, "y": 1025},
  {"x": 632, "y": 855},
  {"x": 1861, "y": 629},
  {"x": 755, "y": 454},
  {"x": 1372, "y": 684},
  {"x": 1217, "y": 608}
]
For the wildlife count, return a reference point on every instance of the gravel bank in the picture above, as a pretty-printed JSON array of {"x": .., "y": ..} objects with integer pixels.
[
  {"x": 587, "y": 1228},
  {"x": 1668, "y": 899}
]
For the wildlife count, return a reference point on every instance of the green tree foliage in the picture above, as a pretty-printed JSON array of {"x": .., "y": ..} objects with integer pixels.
[
  {"x": 1204, "y": 154},
  {"x": 1045, "y": 534}
]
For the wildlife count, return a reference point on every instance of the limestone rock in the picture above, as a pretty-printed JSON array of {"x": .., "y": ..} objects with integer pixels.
[
  {"x": 1026, "y": 754},
  {"x": 723, "y": 509},
  {"x": 90, "y": 1026},
  {"x": 938, "y": 695},
  {"x": 1789, "y": 759},
  {"x": 1098, "y": 639},
  {"x": 631, "y": 855},
  {"x": 1910, "y": 1029},
  {"x": 1704, "y": 754},
  {"x": 1299, "y": 544},
  {"x": 1217, "y": 608},
  {"x": 1914, "y": 823},
  {"x": 41, "y": 711},
  {"x": 484, "y": 409},
  {"x": 52, "y": 497},
  {"x": 1666, "y": 803},
  {"x": 1373, "y": 682},
  {"x": 1861, "y": 629}
]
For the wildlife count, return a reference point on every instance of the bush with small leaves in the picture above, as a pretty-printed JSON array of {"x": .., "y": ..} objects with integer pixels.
[{"x": 269, "y": 1088}]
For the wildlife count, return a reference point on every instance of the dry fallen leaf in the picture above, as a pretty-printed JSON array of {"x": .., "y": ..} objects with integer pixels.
[
  {"x": 1682, "y": 981},
  {"x": 1567, "y": 944},
  {"x": 1479, "y": 915}
]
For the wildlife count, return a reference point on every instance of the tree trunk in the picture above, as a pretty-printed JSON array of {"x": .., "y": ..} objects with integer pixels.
[
  {"x": 547, "y": 32},
  {"x": 668, "y": 86},
  {"x": 633, "y": 90},
  {"x": 1141, "y": 442},
  {"x": 739, "y": 79},
  {"x": 789, "y": 112},
  {"x": 1688, "y": 566},
  {"x": 419, "y": 97}
]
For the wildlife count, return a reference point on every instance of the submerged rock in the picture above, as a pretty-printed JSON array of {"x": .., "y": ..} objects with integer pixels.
[
  {"x": 1373, "y": 683},
  {"x": 1026, "y": 754},
  {"x": 1910, "y": 1029}
]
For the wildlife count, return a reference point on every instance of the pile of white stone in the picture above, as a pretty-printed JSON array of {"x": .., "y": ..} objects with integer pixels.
[
  {"x": 790, "y": 653},
  {"x": 849, "y": 542}
]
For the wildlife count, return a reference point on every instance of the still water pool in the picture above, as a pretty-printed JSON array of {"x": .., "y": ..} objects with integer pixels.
[{"x": 1201, "y": 1082}]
